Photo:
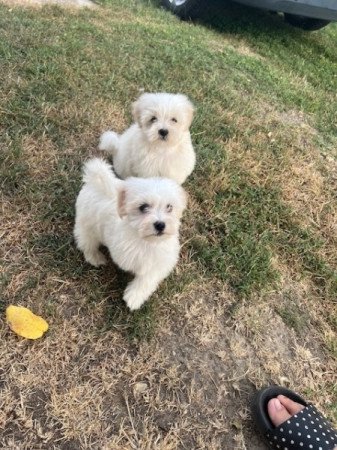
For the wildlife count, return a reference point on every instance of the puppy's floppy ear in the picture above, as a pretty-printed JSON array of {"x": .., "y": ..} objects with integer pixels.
[{"x": 121, "y": 199}]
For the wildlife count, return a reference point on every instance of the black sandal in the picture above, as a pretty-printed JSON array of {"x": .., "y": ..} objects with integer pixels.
[{"x": 306, "y": 430}]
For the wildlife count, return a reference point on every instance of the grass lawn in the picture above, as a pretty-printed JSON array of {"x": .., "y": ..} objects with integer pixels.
[{"x": 253, "y": 298}]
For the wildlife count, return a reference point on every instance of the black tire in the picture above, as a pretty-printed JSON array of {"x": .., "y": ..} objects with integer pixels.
[
  {"x": 186, "y": 9},
  {"x": 306, "y": 23}
]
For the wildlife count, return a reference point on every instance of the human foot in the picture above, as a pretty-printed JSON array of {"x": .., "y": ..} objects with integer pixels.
[
  {"x": 282, "y": 408},
  {"x": 290, "y": 423}
]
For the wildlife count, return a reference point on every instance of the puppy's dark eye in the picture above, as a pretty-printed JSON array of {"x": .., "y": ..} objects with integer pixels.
[
  {"x": 144, "y": 207},
  {"x": 153, "y": 119},
  {"x": 169, "y": 208},
  {"x": 174, "y": 120}
]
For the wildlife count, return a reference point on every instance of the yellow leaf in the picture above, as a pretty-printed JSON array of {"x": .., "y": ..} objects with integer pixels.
[{"x": 24, "y": 323}]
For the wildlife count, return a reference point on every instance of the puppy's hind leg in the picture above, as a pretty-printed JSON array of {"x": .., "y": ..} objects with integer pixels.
[
  {"x": 89, "y": 246},
  {"x": 109, "y": 142}
]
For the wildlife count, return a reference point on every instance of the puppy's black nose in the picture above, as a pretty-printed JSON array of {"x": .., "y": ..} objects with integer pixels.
[
  {"x": 163, "y": 133},
  {"x": 159, "y": 226}
]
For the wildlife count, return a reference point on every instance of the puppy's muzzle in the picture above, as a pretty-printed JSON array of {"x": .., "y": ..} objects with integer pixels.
[
  {"x": 163, "y": 133},
  {"x": 159, "y": 227}
]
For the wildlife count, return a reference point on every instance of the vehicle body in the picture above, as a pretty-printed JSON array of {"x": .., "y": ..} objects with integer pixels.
[
  {"x": 306, "y": 14},
  {"x": 317, "y": 9}
]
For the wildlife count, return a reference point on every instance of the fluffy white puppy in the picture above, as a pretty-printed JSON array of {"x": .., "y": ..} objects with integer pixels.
[
  {"x": 159, "y": 143},
  {"x": 137, "y": 219}
]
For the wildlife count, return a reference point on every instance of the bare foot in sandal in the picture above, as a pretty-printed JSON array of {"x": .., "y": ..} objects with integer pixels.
[
  {"x": 288, "y": 422},
  {"x": 282, "y": 408}
]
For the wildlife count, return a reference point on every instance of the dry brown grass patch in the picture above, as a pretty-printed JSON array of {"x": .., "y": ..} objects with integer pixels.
[
  {"x": 223, "y": 43},
  {"x": 299, "y": 168},
  {"x": 41, "y": 155},
  {"x": 99, "y": 389},
  {"x": 285, "y": 356}
]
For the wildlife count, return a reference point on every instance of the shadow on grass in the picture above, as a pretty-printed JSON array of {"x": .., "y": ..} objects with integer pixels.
[{"x": 263, "y": 29}]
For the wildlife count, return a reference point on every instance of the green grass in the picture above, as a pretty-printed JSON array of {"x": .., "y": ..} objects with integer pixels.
[
  {"x": 58, "y": 66},
  {"x": 294, "y": 317},
  {"x": 235, "y": 245}
]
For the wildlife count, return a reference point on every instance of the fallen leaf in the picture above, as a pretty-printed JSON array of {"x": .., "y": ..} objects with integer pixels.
[{"x": 24, "y": 323}]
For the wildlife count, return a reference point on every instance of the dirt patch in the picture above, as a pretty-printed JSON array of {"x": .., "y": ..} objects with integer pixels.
[{"x": 181, "y": 390}]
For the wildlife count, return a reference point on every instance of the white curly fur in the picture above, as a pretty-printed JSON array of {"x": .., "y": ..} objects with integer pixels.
[
  {"x": 124, "y": 216},
  {"x": 143, "y": 151}
]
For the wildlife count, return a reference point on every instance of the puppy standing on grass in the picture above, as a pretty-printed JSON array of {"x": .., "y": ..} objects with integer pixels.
[
  {"x": 158, "y": 144},
  {"x": 137, "y": 219}
]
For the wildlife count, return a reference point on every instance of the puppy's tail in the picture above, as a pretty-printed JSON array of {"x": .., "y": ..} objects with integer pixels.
[
  {"x": 98, "y": 174},
  {"x": 109, "y": 142}
]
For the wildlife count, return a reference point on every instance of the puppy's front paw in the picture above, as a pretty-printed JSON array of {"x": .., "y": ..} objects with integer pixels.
[
  {"x": 96, "y": 259},
  {"x": 132, "y": 299}
]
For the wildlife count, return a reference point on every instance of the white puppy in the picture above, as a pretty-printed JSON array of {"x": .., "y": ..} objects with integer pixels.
[
  {"x": 137, "y": 219},
  {"x": 158, "y": 144}
]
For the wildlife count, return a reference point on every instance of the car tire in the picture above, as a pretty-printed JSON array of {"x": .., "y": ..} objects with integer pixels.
[
  {"x": 306, "y": 23},
  {"x": 185, "y": 9}
]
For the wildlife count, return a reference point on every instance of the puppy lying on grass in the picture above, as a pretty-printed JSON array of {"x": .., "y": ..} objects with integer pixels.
[
  {"x": 137, "y": 219},
  {"x": 158, "y": 144}
]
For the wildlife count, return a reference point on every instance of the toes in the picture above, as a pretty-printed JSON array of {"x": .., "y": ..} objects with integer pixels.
[
  {"x": 290, "y": 405},
  {"x": 277, "y": 412}
]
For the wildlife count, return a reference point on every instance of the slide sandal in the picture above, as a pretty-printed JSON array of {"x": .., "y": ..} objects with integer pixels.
[{"x": 306, "y": 430}]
